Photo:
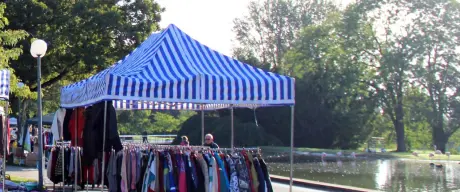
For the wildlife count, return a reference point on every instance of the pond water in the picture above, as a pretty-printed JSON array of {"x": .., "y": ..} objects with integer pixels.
[{"x": 377, "y": 174}]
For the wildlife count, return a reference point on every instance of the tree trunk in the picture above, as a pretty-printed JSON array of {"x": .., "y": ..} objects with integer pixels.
[
  {"x": 440, "y": 138},
  {"x": 399, "y": 128}
]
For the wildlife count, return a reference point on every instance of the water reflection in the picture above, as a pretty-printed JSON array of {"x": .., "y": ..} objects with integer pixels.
[{"x": 384, "y": 175}]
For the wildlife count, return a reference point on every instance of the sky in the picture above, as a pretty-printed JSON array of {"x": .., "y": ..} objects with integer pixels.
[{"x": 208, "y": 21}]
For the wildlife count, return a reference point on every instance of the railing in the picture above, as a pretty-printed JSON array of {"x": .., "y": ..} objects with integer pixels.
[{"x": 154, "y": 139}]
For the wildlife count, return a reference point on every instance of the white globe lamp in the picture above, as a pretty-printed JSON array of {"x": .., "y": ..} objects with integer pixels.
[{"x": 38, "y": 48}]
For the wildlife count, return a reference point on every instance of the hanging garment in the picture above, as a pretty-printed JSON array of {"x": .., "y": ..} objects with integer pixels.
[
  {"x": 170, "y": 185},
  {"x": 58, "y": 123},
  {"x": 223, "y": 181},
  {"x": 65, "y": 124},
  {"x": 200, "y": 178},
  {"x": 192, "y": 166},
  {"x": 133, "y": 170},
  {"x": 111, "y": 173},
  {"x": 152, "y": 171},
  {"x": 145, "y": 170},
  {"x": 151, "y": 181},
  {"x": 215, "y": 172},
  {"x": 124, "y": 170},
  {"x": 119, "y": 169},
  {"x": 248, "y": 166},
  {"x": 58, "y": 168},
  {"x": 67, "y": 155},
  {"x": 94, "y": 131},
  {"x": 260, "y": 176},
  {"x": 53, "y": 166},
  {"x": 243, "y": 177},
  {"x": 189, "y": 177},
  {"x": 182, "y": 175},
  {"x": 160, "y": 165},
  {"x": 72, "y": 162},
  {"x": 49, "y": 165},
  {"x": 255, "y": 181},
  {"x": 204, "y": 169},
  {"x": 76, "y": 125},
  {"x": 268, "y": 182},
  {"x": 233, "y": 183}
]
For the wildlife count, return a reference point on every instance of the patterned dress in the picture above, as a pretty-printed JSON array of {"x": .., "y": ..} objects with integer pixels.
[
  {"x": 233, "y": 175},
  {"x": 243, "y": 176}
]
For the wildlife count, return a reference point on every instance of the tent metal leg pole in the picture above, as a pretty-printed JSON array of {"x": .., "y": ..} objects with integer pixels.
[
  {"x": 103, "y": 145},
  {"x": 63, "y": 159},
  {"x": 232, "y": 130},
  {"x": 291, "y": 174},
  {"x": 202, "y": 125},
  {"x": 5, "y": 143},
  {"x": 63, "y": 163},
  {"x": 76, "y": 150}
]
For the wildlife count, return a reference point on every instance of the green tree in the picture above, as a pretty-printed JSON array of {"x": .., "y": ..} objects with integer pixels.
[
  {"x": 417, "y": 127},
  {"x": 437, "y": 35},
  {"x": 271, "y": 27},
  {"x": 388, "y": 52},
  {"x": 138, "y": 121},
  {"x": 332, "y": 99},
  {"x": 9, "y": 50},
  {"x": 419, "y": 44},
  {"x": 83, "y": 36}
]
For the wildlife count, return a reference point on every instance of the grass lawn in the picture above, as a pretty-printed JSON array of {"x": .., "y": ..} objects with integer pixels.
[
  {"x": 18, "y": 180},
  {"x": 422, "y": 155}
]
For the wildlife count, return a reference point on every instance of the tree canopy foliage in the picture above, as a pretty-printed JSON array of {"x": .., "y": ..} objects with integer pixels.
[
  {"x": 83, "y": 36},
  {"x": 136, "y": 122},
  {"x": 9, "y": 49}
]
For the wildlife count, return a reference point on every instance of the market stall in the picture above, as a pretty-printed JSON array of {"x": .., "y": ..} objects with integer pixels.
[{"x": 170, "y": 70}]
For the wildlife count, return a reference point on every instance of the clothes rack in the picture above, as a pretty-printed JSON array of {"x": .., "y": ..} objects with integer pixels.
[
  {"x": 146, "y": 167},
  {"x": 61, "y": 145}
]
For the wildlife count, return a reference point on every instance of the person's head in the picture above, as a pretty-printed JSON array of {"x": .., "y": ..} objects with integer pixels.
[
  {"x": 208, "y": 139},
  {"x": 184, "y": 138}
]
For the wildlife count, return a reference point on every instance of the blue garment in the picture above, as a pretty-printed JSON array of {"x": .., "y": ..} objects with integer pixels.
[
  {"x": 193, "y": 170},
  {"x": 169, "y": 166},
  {"x": 151, "y": 177},
  {"x": 260, "y": 175},
  {"x": 224, "y": 186}
]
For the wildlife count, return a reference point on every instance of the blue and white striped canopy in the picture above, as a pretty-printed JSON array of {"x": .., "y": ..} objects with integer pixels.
[
  {"x": 4, "y": 84},
  {"x": 171, "y": 70}
]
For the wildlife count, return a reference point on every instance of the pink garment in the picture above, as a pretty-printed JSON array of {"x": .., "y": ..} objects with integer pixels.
[
  {"x": 133, "y": 171},
  {"x": 123, "y": 181},
  {"x": 182, "y": 176}
]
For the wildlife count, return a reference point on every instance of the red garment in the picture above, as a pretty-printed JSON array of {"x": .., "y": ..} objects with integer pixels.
[
  {"x": 248, "y": 164},
  {"x": 182, "y": 175},
  {"x": 90, "y": 172},
  {"x": 80, "y": 124}
]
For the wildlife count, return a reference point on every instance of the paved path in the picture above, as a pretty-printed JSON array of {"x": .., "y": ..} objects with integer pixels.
[{"x": 283, "y": 187}]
